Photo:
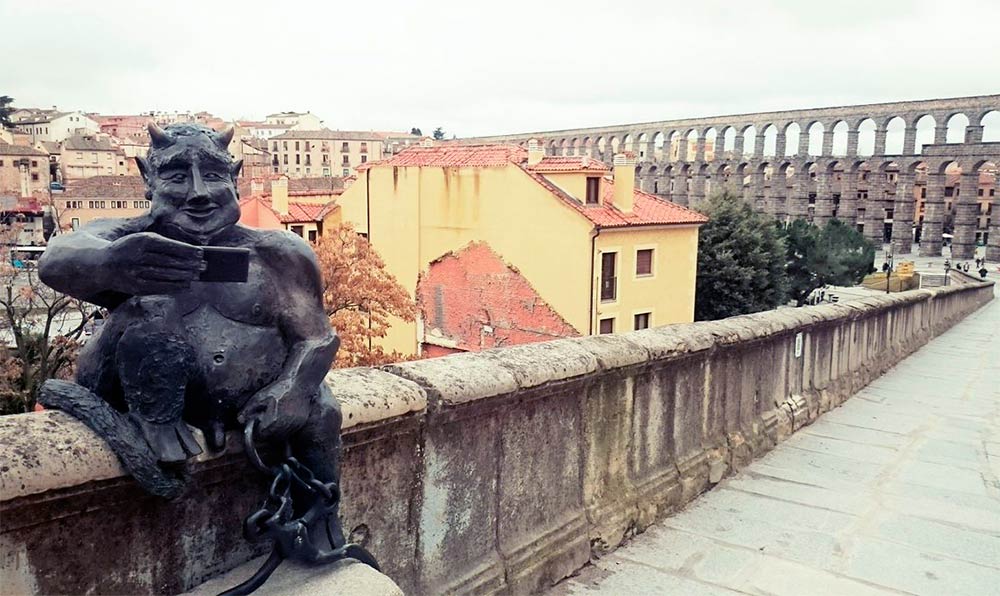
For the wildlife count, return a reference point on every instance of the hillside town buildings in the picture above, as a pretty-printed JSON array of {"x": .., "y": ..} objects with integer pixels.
[
  {"x": 24, "y": 170},
  {"x": 303, "y": 206},
  {"x": 325, "y": 152},
  {"x": 51, "y": 125},
  {"x": 575, "y": 248},
  {"x": 86, "y": 155}
]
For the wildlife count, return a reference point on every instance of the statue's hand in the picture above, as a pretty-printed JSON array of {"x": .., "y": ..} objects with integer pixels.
[
  {"x": 279, "y": 410},
  {"x": 148, "y": 263}
]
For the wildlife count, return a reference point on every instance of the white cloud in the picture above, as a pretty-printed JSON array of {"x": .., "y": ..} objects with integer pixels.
[{"x": 483, "y": 68}]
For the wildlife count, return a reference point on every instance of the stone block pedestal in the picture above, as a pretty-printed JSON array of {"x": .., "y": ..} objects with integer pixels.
[{"x": 291, "y": 579}]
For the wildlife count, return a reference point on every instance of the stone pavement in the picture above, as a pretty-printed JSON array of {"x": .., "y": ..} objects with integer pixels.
[{"x": 895, "y": 492}]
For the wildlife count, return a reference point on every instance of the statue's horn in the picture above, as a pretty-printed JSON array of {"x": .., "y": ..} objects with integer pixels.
[
  {"x": 158, "y": 136},
  {"x": 225, "y": 137}
]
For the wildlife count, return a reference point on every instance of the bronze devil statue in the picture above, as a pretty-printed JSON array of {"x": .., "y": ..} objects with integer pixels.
[{"x": 213, "y": 325}]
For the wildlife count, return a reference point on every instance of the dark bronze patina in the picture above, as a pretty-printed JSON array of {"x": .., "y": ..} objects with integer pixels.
[{"x": 213, "y": 325}]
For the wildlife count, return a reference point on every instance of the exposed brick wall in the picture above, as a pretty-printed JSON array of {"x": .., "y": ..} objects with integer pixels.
[{"x": 476, "y": 300}]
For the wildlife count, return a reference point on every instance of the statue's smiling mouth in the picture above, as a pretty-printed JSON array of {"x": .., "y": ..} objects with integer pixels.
[{"x": 201, "y": 211}]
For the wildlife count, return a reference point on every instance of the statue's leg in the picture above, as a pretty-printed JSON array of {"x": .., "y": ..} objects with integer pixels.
[
  {"x": 154, "y": 366},
  {"x": 317, "y": 445}
]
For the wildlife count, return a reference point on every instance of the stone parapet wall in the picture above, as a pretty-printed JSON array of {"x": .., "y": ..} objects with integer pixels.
[{"x": 495, "y": 472}]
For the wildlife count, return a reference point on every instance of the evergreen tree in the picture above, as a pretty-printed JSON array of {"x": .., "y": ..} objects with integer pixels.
[
  {"x": 438, "y": 133},
  {"x": 5, "y": 110},
  {"x": 741, "y": 261},
  {"x": 836, "y": 254},
  {"x": 416, "y": 131}
]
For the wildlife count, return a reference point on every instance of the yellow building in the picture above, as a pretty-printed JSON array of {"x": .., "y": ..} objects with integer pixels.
[{"x": 604, "y": 256}]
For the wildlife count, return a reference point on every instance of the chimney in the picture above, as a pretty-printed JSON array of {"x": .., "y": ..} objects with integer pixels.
[
  {"x": 535, "y": 152},
  {"x": 256, "y": 187},
  {"x": 624, "y": 174},
  {"x": 279, "y": 194},
  {"x": 428, "y": 142}
]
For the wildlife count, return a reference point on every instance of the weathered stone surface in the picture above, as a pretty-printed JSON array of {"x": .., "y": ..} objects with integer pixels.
[
  {"x": 368, "y": 395},
  {"x": 536, "y": 364},
  {"x": 459, "y": 378},
  {"x": 614, "y": 351},
  {"x": 294, "y": 579},
  {"x": 522, "y": 457}
]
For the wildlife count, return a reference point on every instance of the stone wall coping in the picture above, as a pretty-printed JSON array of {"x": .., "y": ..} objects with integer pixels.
[{"x": 51, "y": 450}]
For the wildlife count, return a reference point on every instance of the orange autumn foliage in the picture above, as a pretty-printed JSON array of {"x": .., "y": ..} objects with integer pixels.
[{"x": 360, "y": 297}]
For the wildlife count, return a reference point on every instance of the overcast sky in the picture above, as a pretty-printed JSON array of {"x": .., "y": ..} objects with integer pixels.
[{"x": 477, "y": 68}]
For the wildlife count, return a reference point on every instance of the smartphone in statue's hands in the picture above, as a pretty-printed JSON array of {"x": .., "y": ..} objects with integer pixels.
[{"x": 224, "y": 263}]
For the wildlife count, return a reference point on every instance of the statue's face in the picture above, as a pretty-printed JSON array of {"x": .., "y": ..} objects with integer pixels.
[{"x": 193, "y": 189}]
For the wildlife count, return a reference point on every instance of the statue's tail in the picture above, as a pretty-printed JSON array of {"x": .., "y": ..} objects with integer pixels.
[{"x": 118, "y": 431}]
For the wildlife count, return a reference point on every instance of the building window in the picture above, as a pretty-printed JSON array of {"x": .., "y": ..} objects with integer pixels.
[
  {"x": 276, "y": 145},
  {"x": 364, "y": 147},
  {"x": 34, "y": 177},
  {"x": 298, "y": 159},
  {"x": 644, "y": 262},
  {"x": 607, "y": 326},
  {"x": 296, "y": 145},
  {"x": 34, "y": 163},
  {"x": 75, "y": 223},
  {"x": 1, "y": 163},
  {"x": 347, "y": 172},
  {"x": 609, "y": 281},
  {"x": 980, "y": 192},
  {"x": 593, "y": 190},
  {"x": 364, "y": 159},
  {"x": 641, "y": 321},
  {"x": 312, "y": 235},
  {"x": 284, "y": 145},
  {"x": 923, "y": 193},
  {"x": 285, "y": 158},
  {"x": 949, "y": 191},
  {"x": 297, "y": 230},
  {"x": 347, "y": 160}
]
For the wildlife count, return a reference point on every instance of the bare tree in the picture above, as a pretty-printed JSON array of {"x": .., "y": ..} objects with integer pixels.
[{"x": 41, "y": 331}]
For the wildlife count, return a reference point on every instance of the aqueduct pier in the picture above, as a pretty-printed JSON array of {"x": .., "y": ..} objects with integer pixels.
[{"x": 900, "y": 171}]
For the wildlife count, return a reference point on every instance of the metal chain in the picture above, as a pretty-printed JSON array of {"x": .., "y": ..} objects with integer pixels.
[{"x": 274, "y": 522}]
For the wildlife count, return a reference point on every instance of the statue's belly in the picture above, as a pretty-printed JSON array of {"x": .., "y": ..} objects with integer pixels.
[{"x": 234, "y": 359}]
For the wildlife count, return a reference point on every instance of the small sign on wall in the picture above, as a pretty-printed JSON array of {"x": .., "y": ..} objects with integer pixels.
[{"x": 798, "y": 344}]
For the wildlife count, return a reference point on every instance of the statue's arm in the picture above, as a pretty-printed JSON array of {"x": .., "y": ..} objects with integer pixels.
[
  {"x": 306, "y": 328},
  {"x": 76, "y": 263}
]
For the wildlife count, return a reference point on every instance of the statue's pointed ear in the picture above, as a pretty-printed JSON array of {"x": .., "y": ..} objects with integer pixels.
[
  {"x": 234, "y": 170},
  {"x": 143, "y": 165}
]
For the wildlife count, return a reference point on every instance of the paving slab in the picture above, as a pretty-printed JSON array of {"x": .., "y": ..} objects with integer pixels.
[{"x": 895, "y": 492}]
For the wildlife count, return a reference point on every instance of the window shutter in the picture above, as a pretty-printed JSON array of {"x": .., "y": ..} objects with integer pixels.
[{"x": 644, "y": 262}]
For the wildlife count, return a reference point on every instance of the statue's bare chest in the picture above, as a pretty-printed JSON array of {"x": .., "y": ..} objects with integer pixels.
[{"x": 255, "y": 302}]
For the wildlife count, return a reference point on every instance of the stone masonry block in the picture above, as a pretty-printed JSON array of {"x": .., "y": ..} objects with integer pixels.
[
  {"x": 542, "y": 530},
  {"x": 536, "y": 364},
  {"x": 457, "y": 379}
]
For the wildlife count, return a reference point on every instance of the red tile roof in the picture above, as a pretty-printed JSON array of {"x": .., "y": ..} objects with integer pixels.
[
  {"x": 466, "y": 156},
  {"x": 106, "y": 187},
  {"x": 647, "y": 210},
  {"x": 562, "y": 163},
  {"x": 297, "y": 212}
]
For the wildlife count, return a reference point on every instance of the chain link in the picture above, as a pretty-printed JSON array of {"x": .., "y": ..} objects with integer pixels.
[{"x": 274, "y": 521}]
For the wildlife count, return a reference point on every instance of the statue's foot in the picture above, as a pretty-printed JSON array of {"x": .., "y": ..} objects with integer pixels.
[{"x": 171, "y": 442}]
